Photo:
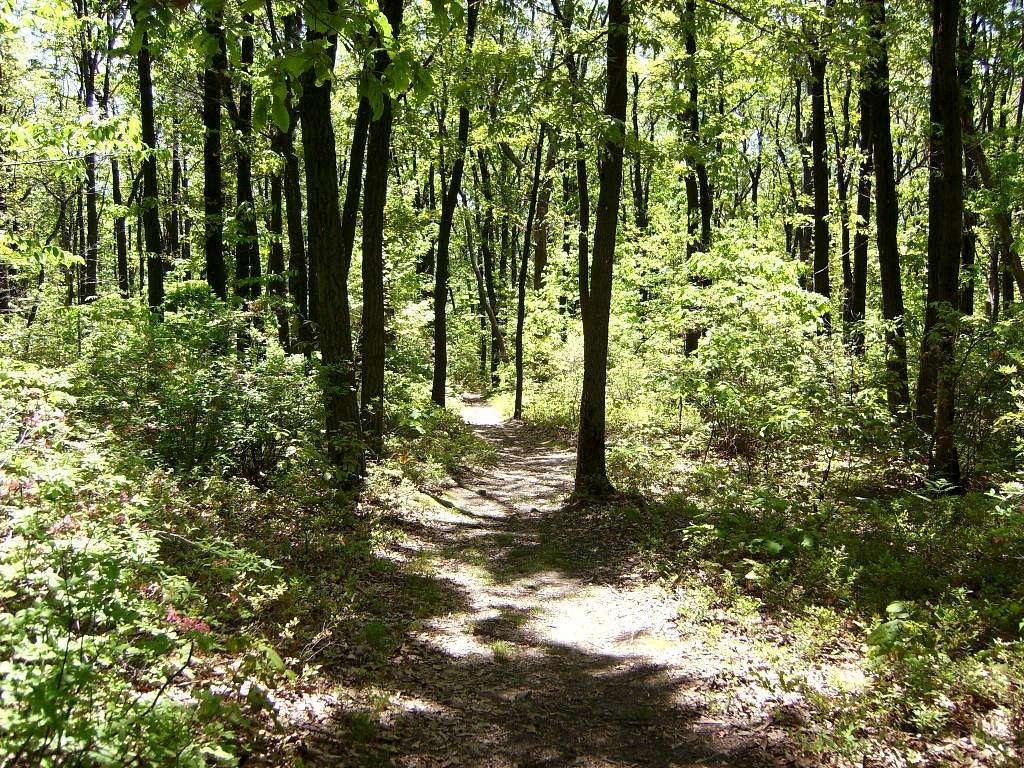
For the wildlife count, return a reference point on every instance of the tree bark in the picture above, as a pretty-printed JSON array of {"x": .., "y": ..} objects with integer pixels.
[
  {"x": 822, "y": 242},
  {"x": 887, "y": 216},
  {"x": 337, "y": 374},
  {"x": 247, "y": 249},
  {"x": 150, "y": 202},
  {"x": 937, "y": 381},
  {"x": 448, "y": 205},
  {"x": 517, "y": 412},
  {"x": 88, "y": 69},
  {"x": 276, "y": 283},
  {"x": 213, "y": 185},
  {"x": 374, "y": 200},
  {"x": 858, "y": 278},
  {"x": 591, "y": 470}
]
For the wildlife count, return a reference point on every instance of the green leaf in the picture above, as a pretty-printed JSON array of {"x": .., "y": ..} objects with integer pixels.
[
  {"x": 885, "y": 634},
  {"x": 897, "y": 608},
  {"x": 279, "y": 113}
]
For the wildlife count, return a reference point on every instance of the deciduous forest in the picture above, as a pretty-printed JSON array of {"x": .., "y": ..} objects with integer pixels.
[{"x": 511, "y": 383}]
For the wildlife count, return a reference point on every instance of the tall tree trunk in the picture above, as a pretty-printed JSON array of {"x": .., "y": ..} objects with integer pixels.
[
  {"x": 540, "y": 244},
  {"x": 699, "y": 204},
  {"x": 89, "y": 65},
  {"x": 337, "y": 373},
  {"x": 448, "y": 204},
  {"x": 213, "y": 186},
  {"x": 805, "y": 210},
  {"x": 174, "y": 220},
  {"x": 591, "y": 471},
  {"x": 499, "y": 351},
  {"x": 887, "y": 216},
  {"x": 120, "y": 228},
  {"x": 858, "y": 288},
  {"x": 276, "y": 282},
  {"x": 247, "y": 249},
  {"x": 822, "y": 243},
  {"x": 639, "y": 187},
  {"x": 524, "y": 261},
  {"x": 937, "y": 382},
  {"x": 374, "y": 200},
  {"x": 969, "y": 238},
  {"x": 298, "y": 278},
  {"x": 150, "y": 200}
]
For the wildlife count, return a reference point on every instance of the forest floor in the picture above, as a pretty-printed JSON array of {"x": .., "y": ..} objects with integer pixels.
[{"x": 547, "y": 643}]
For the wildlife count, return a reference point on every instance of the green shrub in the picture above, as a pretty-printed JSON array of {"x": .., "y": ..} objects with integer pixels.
[{"x": 100, "y": 642}]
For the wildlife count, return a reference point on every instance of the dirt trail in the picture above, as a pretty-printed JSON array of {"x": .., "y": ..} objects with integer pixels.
[{"x": 548, "y": 649}]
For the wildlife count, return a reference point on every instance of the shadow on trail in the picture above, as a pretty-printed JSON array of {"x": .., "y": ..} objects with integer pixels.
[{"x": 520, "y": 656}]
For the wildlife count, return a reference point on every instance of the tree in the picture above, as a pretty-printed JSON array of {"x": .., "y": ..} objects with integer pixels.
[
  {"x": 595, "y": 298},
  {"x": 337, "y": 373},
  {"x": 213, "y": 185},
  {"x": 821, "y": 282},
  {"x": 887, "y": 213},
  {"x": 937, "y": 381},
  {"x": 150, "y": 203},
  {"x": 448, "y": 203},
  {"x": 375, "y": 198}
]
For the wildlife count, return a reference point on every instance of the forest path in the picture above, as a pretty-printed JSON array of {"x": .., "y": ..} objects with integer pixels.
[{"x": 545, "y": 646}]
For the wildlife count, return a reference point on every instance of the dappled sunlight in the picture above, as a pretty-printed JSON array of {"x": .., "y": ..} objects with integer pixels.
[{"x": 549, "y": 651}]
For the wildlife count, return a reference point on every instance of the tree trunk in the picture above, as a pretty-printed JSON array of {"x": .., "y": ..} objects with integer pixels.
[
  {"x": 858, "y": 278},
  {"x": 887, "y": 217},
  {"x": 247, "y": 249},
  {"x": 805, "y": 211},
  {"x": 969, "y": 237},
  {"x": 524, "y": 261},
  {"x": 591, "y": 471},
  {"x": 174, "y": 220},
  {"x": 298, "y": 278},
  {"x": 150, "y": 200},
  {"x": 89, "y": 65},
  {"x": 540, "y": 245},
  {"x": 822, "y": 243},
  {"x": 120, "y": 228},
  {"x": 937, "y": 382},
  {"x": 276, "y": 283},
  {"x": 213, "y": 187},
  {"x": 337, "y": 379},
  {"x": 448, "y": 204},
  {"x": 374, "y": 200},
  {"x": 640, "y": 189}
]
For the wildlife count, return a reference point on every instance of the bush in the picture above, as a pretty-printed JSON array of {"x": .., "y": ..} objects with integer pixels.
[
  {"x": 180, "y": 388},
  {"x": 100, "y": 642}
]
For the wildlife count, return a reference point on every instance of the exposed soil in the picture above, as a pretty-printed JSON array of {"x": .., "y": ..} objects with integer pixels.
[{"x": 547, "y": 646}]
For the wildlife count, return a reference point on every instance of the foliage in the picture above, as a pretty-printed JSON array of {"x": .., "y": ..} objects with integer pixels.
[{"x": 104, "y": 646}]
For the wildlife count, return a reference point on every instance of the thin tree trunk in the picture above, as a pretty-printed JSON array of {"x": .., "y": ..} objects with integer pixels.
[
  {"x": 858, "y": 288},
  {"x": 247, "y": 249},
  {"x": 591, "y": 471},
  {"x": 150, "y": 201},
  {"x": 276, "y": 283},
  {"x": 822, "y": 243},
  {"x": 89, "y": 65},
  {"x": 640, "y": 189},
  {"x": 174, "y": 220},
  {"x": 213, "y": 186},
  {"x": 298, "y": 278},
  {"x": 540, "y": 245},
  {"x": 448, "y": 204},
  {"x": 374, "y": 200},
  {"x": 887, "y": 217},
  {"x": 524, "y": 261}
]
